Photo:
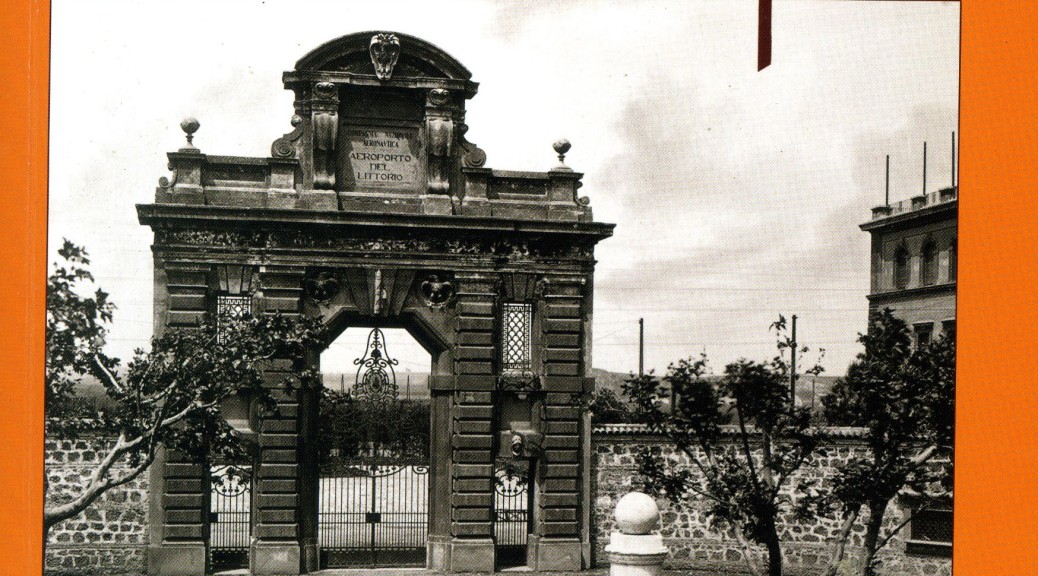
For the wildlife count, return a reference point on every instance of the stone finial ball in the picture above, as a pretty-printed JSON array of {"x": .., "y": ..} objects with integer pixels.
[
  {"x": 189, "y": 125},
  {"x": 561, "y": 146},
  {"x": 636, "y": 513}
]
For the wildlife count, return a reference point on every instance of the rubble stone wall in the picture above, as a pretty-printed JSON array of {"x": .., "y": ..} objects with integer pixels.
[
  {"x": 696, "y": 546},
  {"x": 110, "y": 537}
]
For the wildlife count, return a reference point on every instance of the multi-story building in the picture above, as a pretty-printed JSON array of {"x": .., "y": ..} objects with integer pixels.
[
  {"x": 914, "y": 266},
  {"x": 914, "y": 261}
]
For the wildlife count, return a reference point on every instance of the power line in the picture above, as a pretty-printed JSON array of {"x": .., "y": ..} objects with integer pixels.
[{"x": 732, "y": 343}]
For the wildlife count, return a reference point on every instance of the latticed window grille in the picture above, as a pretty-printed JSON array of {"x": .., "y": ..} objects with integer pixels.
[
  {"x": 228, "y": 307},
  {"x": 516, "y": 320}
]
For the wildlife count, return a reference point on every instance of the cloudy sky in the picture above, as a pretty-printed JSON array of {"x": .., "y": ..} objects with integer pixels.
[{"x": 736, "y": 193}]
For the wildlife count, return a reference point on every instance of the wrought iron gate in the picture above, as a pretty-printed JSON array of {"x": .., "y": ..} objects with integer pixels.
[
  {"x": 374, "y": 515},
  {"x": 229, "y": 517},
  {"x": 511, "y": 513}
]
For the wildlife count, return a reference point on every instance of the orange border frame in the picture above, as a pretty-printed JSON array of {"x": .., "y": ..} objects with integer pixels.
[
  {"x": 996, "y": 499},
  {"x": 25, "y": 65},
  {"x": 996, "y": 511}
]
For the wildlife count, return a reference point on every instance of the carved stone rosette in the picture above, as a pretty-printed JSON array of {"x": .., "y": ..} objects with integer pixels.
[{"x": 325, "y": 105}]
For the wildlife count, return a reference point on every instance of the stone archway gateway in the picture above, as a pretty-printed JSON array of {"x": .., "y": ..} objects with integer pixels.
[{"x": 375, "y": 210}]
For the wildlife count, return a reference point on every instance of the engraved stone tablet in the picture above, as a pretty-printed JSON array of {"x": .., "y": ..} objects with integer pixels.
[{"x": 383, "y": 158}]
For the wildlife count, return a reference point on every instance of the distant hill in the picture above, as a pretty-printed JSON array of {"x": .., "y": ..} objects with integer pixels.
[
  {"x": 810, "y": 389},
  {"x": 606, "y": 380},
  {"x": 412, "y": 385}
]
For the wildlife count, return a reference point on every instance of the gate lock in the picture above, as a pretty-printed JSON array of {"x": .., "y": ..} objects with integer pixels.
[{"x": 372, "y": 517}]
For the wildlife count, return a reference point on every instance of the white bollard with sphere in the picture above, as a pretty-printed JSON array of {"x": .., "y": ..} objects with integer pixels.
[{"x": 633, "y": 549}]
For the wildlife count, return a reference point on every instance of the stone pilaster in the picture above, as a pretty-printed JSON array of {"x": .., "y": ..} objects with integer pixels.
[{"x": 185, "y": 492}]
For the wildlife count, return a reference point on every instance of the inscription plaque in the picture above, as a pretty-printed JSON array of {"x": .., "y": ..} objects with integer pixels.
[{"x": 382, "y": 158}]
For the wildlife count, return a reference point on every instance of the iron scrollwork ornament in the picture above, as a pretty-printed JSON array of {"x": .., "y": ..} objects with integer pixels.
[
  {"x": 231, "y": 480},
  {"x": 376, "y": 377}
]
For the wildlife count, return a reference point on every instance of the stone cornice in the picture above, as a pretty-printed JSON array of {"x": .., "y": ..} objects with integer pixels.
[
  {"x": 466, "y": 87},
  {"x": 912, "y": 218},
  {"x": 911, "y": 292},
  {"x": 193, "y": 216}
]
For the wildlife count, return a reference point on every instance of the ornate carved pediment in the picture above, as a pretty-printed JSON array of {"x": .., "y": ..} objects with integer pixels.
[{"x": 356, "y": 53}]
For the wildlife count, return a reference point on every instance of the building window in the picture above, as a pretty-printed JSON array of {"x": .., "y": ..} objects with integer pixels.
[
  {"x": 948, "y": 329},
  {"x": 929, "y": 263},
  {"x": 953, "y": 260},
  {"x": 931, "y": 532},
  {"x": 923, "y": 334},
  {"x": 228, "y": 307},
  {"x": 516, "y": 321},
  {"x": 901, "y": 267}
]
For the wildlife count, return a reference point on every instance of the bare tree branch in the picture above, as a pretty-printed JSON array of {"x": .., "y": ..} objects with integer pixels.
[{"x": 112, "y": 380}]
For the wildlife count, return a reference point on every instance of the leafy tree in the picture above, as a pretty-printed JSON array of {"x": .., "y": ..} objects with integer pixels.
[
  {"x": 743, "y": 438},
  {"x": 169, "y": 396},
  {"x": 607, "y": 408},
  {"x": 905, "y": 399}
]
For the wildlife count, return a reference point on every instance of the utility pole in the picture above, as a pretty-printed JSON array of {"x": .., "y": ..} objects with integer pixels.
[
  {"x": 641, "y": 347},
  {"x": 886, "y": 201},
  {"x": 793, "y": 368},
  {"x": 924, "y": 168}
]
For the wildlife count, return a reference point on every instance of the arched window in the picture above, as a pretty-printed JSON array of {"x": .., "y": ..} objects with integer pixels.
[
  {"x": 953, "y": 259},
  {"x": 901, "y": 267},
  {"x": 929, "y": 263}
]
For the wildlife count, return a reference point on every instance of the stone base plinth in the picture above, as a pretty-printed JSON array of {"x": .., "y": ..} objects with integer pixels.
[
  {"x": 636, "y": 554},
  {"x": 461, "y": 555},
  {"x": 555, "y": 554},
  {"x": 274, "y": 559},
  {"x": 311, "y": 555},
  {"x": 176, "y": 559}
]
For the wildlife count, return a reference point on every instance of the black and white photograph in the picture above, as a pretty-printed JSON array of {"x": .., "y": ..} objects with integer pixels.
[{"x": 606, "y": 287}]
